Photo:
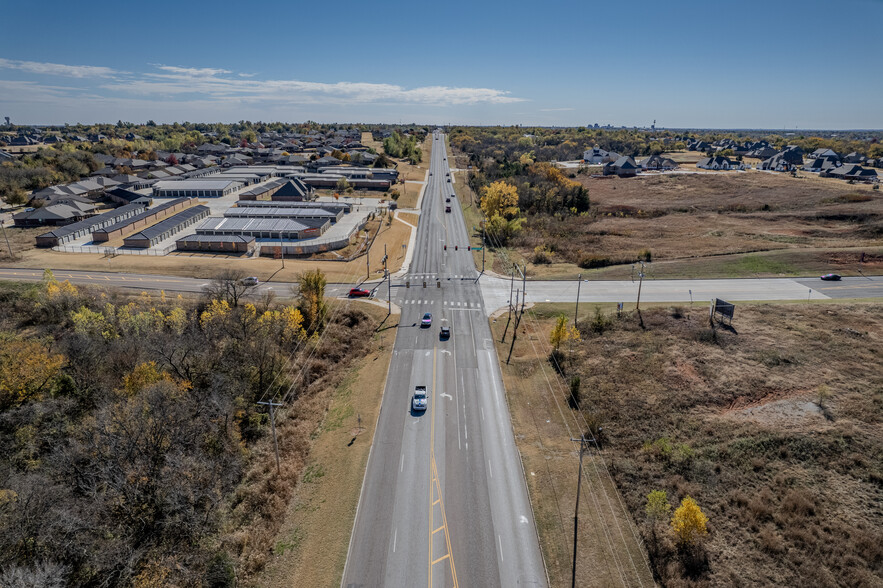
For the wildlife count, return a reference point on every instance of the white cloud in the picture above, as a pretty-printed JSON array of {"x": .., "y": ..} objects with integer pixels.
[
  {"x": 212, "y": 82},
  {"x": 58, "y": 69},
  {"x": 175, "y": 90},
  {"x": 197, "y": 72}
]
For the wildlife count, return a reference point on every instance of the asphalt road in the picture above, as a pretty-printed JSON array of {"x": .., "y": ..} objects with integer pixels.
[{"x": 444, "y": 501}]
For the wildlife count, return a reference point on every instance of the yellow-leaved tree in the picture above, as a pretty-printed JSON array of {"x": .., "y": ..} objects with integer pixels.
[
  {"x": 499, "y": 199},
  {"x": 27, "y": 369},
  {"x": 559, "y": 332},
  {"x": 689, "y": 522}
]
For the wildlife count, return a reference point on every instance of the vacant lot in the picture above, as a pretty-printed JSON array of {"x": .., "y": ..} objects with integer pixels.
[
  {"x": 413, "y": 176},
  {"x": 772, "y": 426},
  {"x": 685, "y": 218}
]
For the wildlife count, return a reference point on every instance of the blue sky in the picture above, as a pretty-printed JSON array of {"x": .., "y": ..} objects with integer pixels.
[{"x": 752, "y": 64}]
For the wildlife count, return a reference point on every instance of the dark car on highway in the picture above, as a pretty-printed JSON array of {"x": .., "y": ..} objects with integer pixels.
[{"x": 831, "y": 277}]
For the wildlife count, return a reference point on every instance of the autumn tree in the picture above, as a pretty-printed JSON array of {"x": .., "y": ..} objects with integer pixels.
[
  {"x": 311, "y": 300},
  {"x": 689, "y": 523},
  {"x": 559, "y": 332},
  {"x": 657, "y": 510},
  {"x": 500, "y": 199},
  {"x": 27, "y": 369}
]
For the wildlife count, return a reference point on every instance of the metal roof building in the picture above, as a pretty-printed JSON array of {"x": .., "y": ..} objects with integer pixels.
[
  {"x": 167, "y": 227},
  {"x": 143, "y": 219},
  {"x": 276, "y": 212},
  {"x": 344, "y": 206},
  {"x": 85, "y": 227},
  {"x": 268, "y": 228},
  {"x": 216, "y": 243},
  {"x": 205, "y": 187}
]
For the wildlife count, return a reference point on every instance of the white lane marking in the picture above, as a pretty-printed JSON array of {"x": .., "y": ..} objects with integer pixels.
[
  {"x": 395, "y": 539},
  {"x": 446, "y": 395},
  {"x": 428, "y": 353},
  {"x": 501, "y": 547},
  {"x": 402, "y": 467},
  {"x": 490, "y": 469},
  {"x": 482, "y": 413},
  {"x": 523, "y": 519}
]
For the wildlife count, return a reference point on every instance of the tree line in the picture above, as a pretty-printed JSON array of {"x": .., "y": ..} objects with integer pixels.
[{"x": 129, "y": 425}]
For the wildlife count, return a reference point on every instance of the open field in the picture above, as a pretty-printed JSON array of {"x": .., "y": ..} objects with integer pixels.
[
  {"x": 692, "y": 219},
  {"x": 311, "y": 547},
  {"x": 609, "y": 554},
  {"x": 773, "y": 426},
  {"x": 410, "y": 174}
]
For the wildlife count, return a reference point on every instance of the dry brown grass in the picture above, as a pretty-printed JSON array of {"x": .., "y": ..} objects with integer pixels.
[
  {"x": 773, "y": 427},
  {"x": 310, "y": 548},
  {"x": 609, "y": 555},
  {"x": 266, "y": 518},
  {"x": 688, "y": 218}
]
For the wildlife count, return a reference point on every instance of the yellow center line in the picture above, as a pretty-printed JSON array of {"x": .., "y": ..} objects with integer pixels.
[
  {"x": 445, "y": 556},
  {"x": 431, "y": 459},
  {"x": 439, "y": 529}
]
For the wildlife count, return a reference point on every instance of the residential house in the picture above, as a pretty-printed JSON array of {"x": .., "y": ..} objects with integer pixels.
[
  {"x": 852, "y": 171},
  {"x": 657, "y": 162},
  {"x": 624, "y": 167},
  {"x": 4, "y": 156},
  {"x": 820, "y": 164},
  {"x": 54, "y": 214},
  {"x": 718, "y": 162},
  {"x": 854, "y": 158},
  {"x": 598, "y": 155},
  {"x": 821, "y": 152}
]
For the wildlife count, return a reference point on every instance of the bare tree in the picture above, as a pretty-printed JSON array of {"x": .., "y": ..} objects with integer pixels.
[{"x": 229, "y": 285}]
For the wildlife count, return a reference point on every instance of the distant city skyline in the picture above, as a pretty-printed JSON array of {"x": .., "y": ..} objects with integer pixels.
[{"x": 693, "y": 65}]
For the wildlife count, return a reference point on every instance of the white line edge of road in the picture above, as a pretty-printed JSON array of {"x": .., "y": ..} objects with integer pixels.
[
  {"x": 412, "y": 240},
  {"x": 349, "y": 548}
]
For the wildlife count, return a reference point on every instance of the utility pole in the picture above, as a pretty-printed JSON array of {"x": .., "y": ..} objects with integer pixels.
[
  {"x": 579, "y": 280},
  {"x": 483, "y": 247},
  {"x": 282, "y": 249},
  {"x": 367, "y": 263},
  {"x": 388, "y": 282},
  {"x": 272, "y": 405},
  {"x": 511, "y": 291},
  {"x": 514, "y": 331},
  {"x": 582, "y": 446},
  {"x": 523, "y": 289},
  {"x": 640, "y": 283},
  {"x": 3, "y": 226}
]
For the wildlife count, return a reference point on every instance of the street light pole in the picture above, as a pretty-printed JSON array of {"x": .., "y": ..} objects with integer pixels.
[
  {"x": 579, "y": 280},
  {"x": 640, "y": 283}
]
